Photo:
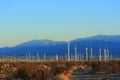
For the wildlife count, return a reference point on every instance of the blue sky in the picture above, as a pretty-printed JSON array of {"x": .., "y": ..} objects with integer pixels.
[{"x": 24, "y": 20}]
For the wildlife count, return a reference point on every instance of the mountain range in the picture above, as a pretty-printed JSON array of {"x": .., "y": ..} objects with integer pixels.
[{"x": 50, "y": 47}]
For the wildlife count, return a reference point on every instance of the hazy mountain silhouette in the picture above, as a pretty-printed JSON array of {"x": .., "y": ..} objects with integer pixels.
[
  {"x": 60, "y": 47},
  {"x": 101, "y": 38}
]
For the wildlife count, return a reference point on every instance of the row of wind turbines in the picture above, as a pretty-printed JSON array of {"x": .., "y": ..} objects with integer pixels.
[{"x": 103, "y": 55}]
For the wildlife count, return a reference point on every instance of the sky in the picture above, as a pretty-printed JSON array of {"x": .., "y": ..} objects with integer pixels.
[{"x": 25, "y": 20}]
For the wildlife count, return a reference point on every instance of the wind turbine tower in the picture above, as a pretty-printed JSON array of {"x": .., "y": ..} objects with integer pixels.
[
  {"x": 68, "y": 51},
  {"x": 38, "y": 57},
  {"x": 91, "y": 50},
  {"x": 86, "y": 54},
  {"x": 108, "y": 54},
  {"x": 75, "y": 53},
  {"x": 56, "y": 57},
  {"x": 105, "y": 54},
  {"x": 100, "y": 55},
  {"x": 26, "y": 57},
  {"x": 29, "y": 56},
  {"x": 44, "y": 57}
]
